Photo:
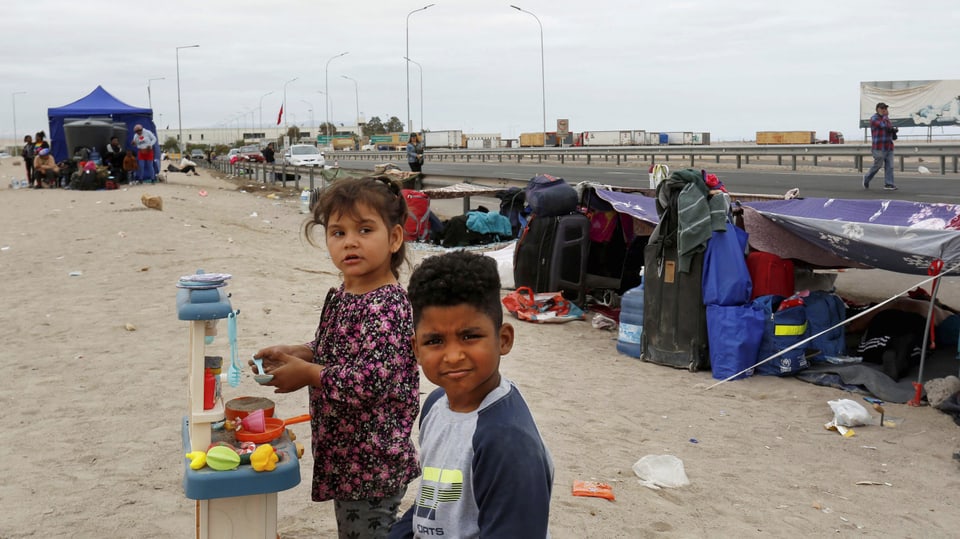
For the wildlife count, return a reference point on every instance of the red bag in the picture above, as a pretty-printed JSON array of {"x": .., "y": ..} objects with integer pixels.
[
  {"x": 770, "y": 274},
  {"x": 417, "y": 227},
  {"x": 545, "y": 307}
]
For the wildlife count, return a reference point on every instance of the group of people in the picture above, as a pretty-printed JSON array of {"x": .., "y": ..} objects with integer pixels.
[
  {"x": 126, "y": 165},
  {"x": 41, "y": 168},
  {"x": 484, "y": 469}
]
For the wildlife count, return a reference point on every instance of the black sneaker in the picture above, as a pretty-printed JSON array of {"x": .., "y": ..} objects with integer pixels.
[
  {"x": 889, "y": 187},
  {"x": 866, "y": 184}
]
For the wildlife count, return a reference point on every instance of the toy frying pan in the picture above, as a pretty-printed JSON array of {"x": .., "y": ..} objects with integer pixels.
[{"x": 273, "y": 428}]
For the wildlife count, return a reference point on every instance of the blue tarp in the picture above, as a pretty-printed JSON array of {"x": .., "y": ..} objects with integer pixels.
[
  {"x": 893, "y": 235},
  {"x": 98, "y": 103}
]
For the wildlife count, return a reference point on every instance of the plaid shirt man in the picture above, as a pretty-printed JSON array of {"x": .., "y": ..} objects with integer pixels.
[{"x": 880, "y": 131}]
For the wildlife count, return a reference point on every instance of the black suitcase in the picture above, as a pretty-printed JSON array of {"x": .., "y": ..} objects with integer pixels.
[
  {"x": 551, "y": 256},
  {"x": 674, "y": 316}
]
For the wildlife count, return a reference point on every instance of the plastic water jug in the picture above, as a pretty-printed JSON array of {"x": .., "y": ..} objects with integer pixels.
[
  {"x": 305, "y": 201},
  {"x": 631, "y": 321}
]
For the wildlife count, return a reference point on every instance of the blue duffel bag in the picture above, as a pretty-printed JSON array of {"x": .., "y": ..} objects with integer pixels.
[{"x": 783, "y": 329}]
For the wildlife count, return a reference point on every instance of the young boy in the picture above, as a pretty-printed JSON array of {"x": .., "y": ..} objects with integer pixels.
[{"x": 486, "y": 471}]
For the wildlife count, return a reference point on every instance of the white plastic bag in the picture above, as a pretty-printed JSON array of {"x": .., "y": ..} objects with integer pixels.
[
  {"x": 657, "y": 471},
  {"x": 849, "y": 413}
]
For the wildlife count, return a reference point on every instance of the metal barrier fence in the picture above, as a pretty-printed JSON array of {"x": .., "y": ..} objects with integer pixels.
[
  {"x": 937, "y": 157},
  {"x": 285, "y": 175}
]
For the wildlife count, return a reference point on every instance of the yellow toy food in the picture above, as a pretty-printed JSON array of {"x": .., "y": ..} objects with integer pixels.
[
  {"x": 264, "y": 458},
  {"x": 222, "y": 458},
  {"x": 198, "y": 459}
]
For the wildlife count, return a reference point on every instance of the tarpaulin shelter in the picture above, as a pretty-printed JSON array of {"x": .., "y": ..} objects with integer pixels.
[
  {"x": 915, "y": 238},
  {"x": 97, "y": 104},
  {"x": 893, "y": 235}
]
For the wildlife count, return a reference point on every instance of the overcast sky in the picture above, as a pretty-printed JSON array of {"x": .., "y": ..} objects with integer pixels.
[{"x": 724, "y": 67}]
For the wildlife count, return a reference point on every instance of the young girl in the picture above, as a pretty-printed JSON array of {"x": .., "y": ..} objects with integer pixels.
[{"x": 362, "y": 375}]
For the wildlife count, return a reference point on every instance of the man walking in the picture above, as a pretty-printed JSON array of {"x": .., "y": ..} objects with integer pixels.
[
  {"x": 144, "y": 140},
  {"x": 883, "y": 136}
]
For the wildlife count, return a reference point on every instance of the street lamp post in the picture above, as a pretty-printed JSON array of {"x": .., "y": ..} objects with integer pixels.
[
  {"x": 543, "y": 84},
  {"x": 310, "y": 110},
  {"x": 14, "y": 98},
  {"x": 179, "y": 116},
  {"x": 149, "y": 97},
  {"x": 407, "y": 55},
  {"x": 284, "y": 109},
  {"x": 260, "y": 108},
  {"x": 420, "y": 68},
  {"x": 326, "y": 91},
  {"x": 356, "y": 94}
]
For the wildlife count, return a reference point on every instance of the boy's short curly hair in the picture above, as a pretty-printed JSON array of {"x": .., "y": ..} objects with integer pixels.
[{"x": 456, "y": 278}]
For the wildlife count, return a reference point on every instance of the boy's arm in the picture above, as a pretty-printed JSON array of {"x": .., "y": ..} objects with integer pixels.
[
  {"x": 403, "y": 528},
  {"x": 512, "y": 478}
]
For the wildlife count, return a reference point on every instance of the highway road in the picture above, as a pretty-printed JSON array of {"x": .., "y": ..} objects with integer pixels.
[{"x": 829, "y": 184}]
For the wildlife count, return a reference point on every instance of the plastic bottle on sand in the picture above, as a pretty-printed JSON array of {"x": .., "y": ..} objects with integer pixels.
[
  {"x": 631, "y": 321},
  {"x": 305, "y": 201}
]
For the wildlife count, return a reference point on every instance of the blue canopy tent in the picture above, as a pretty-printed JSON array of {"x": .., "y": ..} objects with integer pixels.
[{"x": 100, "y": 104}]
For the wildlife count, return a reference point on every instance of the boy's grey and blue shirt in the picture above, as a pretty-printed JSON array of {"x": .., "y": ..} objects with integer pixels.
[{"x": 486, "y": 473}]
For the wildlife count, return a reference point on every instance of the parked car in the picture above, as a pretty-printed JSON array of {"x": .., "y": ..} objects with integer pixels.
[
  {"x": 251, "y": 153},
  {"x": 303, "y": 155},
  {"x": 197, "y": 154},
  {"x": 233, "y": 155},
  {"x": 4, "y": 155}
]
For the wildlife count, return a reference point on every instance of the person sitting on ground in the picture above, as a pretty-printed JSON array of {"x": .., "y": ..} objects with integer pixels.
[
  {"x": 486, "y": 470},
  {"x": 893, "y": 334},
  {"x": 187, "y": 166},
  {"x": 46, "y": 169},
  {"x": 113, "y": 157}
]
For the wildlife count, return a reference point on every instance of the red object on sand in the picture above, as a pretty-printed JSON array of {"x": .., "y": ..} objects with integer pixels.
[{"x": 915, "y": 401}]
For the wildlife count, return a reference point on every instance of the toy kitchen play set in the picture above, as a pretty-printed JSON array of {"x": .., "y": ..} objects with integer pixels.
[{"x": 237, "y": 455}]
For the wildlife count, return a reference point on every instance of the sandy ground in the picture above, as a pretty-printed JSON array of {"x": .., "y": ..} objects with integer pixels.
[{"x": 90, "y": 432}]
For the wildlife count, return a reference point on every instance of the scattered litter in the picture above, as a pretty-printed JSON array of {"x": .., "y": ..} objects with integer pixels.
[
  {"x": 848, "y": 413},
  {"x": 154, "y": 202},
  {"x": 273, "y": 196},
  {"x": 5, "y": 248},
  {"x": 129, "y": 327},
  {"x": 603, "y": 322},
  {"x": 878, "y": 483},
  {"x": 254, "y": 214},
  {"x": 694, "y": 441},
  {"x": 868, "y": 447},
  {"x": 202, "y": 193},
  {"x": 593, "y": 489},
  {"x": 122, "y": 234},
  {"x": 145, "y": 268},
  {"x": 76, "y": 273},
  {"x": 657, "y": 471}
]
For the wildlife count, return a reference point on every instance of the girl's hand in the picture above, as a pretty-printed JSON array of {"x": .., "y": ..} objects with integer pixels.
[{"x": 289, "y": 371}]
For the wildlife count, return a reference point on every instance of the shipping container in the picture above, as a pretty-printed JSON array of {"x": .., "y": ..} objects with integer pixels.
[
  {"x": 679, "y": 137},
  {"x": 638, "y": 137},
  {"x": 604, "y": 138},
  {"x": 531, "y": 140},
  {"x": 701, "y": 139},
  {"x": 482, "y": 141},
  {"x": 786, "y": 137},
  {"x": 443, "y": 139}
]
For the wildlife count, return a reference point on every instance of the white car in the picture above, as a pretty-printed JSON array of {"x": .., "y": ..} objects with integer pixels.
[
  {"x": 4, "y": 155},
  {"x": 303, "y": 155}
]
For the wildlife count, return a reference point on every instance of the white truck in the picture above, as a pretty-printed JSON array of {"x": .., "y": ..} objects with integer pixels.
[{"x": 443, "y": 139}]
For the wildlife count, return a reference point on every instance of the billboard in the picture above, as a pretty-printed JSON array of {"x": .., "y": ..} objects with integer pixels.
[{"x": 913, "y": 103}]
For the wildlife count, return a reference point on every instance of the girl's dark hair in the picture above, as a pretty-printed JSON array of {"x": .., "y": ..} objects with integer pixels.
[
  {"x": 457, "y": 278},
  {"x": 379, "y": 194}
]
